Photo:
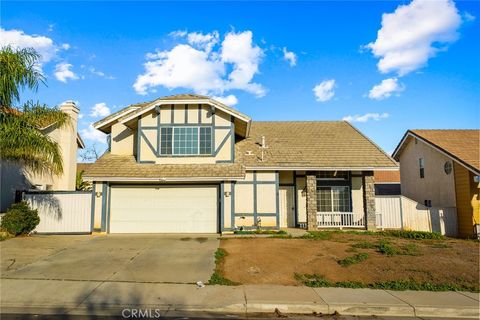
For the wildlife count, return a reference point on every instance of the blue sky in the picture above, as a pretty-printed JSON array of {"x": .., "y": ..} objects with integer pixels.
[{"x": 265, "y": 58}]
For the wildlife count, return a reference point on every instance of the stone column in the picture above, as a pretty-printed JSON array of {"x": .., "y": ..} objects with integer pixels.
[
  {"x": 369, "y": 200},
  {"x": 311, "y": 182}
]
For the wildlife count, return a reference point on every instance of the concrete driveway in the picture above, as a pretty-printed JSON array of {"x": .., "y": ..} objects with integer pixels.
[{"x": 125, "y": 258}]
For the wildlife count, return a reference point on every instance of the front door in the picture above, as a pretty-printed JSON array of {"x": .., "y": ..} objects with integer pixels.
[{"x": 287, "y": 207}]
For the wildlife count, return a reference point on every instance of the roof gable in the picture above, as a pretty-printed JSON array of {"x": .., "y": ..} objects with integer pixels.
[
  {"x": 462, "y": 146},
  {"x": 133, "y": 111}
]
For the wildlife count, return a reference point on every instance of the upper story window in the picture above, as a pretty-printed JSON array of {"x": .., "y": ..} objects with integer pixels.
[
  {"x": 421, "y": 166},
  {"x": 186, "y": 141}
]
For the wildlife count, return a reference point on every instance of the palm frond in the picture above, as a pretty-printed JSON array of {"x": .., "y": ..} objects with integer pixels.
[
  {"x": 19, "y": 70},
  {"x": 22, "y": 142}
]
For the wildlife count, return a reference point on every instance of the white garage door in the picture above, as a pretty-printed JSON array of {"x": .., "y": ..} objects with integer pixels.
[{"x": 167, "y": 209}]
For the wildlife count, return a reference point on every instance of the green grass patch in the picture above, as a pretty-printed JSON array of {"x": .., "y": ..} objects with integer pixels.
[
  {"x": 364, "y": 245},
  {"x": 314, "y": 280},
  {"x": 417, "y": 235},
  {"x": 319, "y": 235},
  {"x": 217, "y": 277},
  {"x": 385, "y": 247},
  {"x": 273, "y": 232},
  {"x": 348, "y": 261}
]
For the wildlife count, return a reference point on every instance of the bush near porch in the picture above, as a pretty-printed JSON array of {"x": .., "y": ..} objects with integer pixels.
[{"x": 397, "y": 261}]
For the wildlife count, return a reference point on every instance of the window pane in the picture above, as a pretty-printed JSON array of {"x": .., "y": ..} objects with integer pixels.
[
  {"x": 185, "y": 141},
  {"x": 324, "y": 199},
  {"x": 341, "y": 199},
  {"x": 166, "y": 141},
  {"x": 205, "y": 140}
]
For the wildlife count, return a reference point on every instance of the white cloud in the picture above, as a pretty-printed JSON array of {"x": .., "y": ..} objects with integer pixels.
[
  {"x": 65, "y": 46},
  {"x": 467, "y": 16},
  {"x": 229, "y": 100},
  {"x": 18, "y": 39},
  {"x": 366, "y": 117},
  {"x": 178, "y": 33},
  {"x": 385, "y": 89},
  {"x": 324, "y": 91},
  {"x": 92, "y": 134},
  {"x": 238, "y": 49},
  {"x": 197, "y": 66},
  {"x": 203, "y": 41},
  {"x": 100, "y": 73},
  {"x": 290, "y": 56},
  {"x": 100, "y": 110},
  {"x": 63, "y": 73},
  {"x": 414, "y": 33}
]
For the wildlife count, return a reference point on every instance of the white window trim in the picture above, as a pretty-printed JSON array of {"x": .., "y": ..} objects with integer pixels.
[
  {"x": 331, "y": 197},
  {"x": 198, "y": 142}
]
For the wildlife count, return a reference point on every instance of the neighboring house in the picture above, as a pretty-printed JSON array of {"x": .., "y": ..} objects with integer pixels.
[
  {"x": 441, "y": 168},
  {"x": 387, "y": 183},
  {"x": 188, "y": 163},
  {"x": 14, "y": 178}
]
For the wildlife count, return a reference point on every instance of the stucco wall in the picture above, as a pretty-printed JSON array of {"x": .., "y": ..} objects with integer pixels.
[
  {"x": 357, "y": 195},
  {"x": 124, "y": 141},
  {"x": 256, "y": 197},
  {"x": 437, "y": 186}
]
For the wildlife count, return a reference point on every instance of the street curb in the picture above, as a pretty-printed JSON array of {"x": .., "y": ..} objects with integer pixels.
[{"x": 254, "y": 308}]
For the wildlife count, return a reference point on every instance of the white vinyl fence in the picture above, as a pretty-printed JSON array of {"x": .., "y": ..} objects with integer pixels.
[
  {"x": 396, "y": 212},
  {"x": 62, "y": 211}
]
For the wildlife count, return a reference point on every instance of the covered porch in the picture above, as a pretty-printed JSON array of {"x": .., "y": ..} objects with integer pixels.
[{"x": 327, "y": 199}]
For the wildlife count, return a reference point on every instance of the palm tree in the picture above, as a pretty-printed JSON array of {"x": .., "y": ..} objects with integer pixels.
[{"x": 22, "y": 140}]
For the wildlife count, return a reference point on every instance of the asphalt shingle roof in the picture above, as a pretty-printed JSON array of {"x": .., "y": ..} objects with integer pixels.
[
  {"x": 110, "y": 165},
  {"x": 463, "y": 145},
  {"x": 310, "y": 144}
]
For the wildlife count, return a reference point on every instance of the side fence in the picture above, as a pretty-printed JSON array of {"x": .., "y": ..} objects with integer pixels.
[
  {"x": 399, "y": 212},
  {"x": 62, "y": 211}
]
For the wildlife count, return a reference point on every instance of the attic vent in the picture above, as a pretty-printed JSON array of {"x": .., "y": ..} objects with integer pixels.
[{"x": 249, "y": 153}]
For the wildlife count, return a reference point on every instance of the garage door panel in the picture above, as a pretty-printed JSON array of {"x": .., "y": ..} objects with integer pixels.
[{"x": 167, "y": 209}]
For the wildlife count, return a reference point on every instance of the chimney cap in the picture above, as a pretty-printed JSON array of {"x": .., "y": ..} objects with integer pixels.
[{"x": 69, "y": 104}]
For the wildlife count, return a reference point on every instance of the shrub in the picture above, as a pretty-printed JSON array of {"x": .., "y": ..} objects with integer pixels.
[{"x": 20, "y": 219}]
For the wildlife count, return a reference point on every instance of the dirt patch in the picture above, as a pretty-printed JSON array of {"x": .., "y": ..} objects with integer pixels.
[{"x": 276, "y": 261}]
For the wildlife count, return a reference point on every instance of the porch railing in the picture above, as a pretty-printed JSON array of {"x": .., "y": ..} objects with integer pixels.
[{"x": 340, "y": 220}]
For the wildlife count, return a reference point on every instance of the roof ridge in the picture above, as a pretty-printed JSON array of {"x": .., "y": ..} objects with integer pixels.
[{"x": 371, "y": 141}]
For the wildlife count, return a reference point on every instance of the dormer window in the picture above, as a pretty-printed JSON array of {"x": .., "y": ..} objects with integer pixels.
[{"x": 184, "y": 141}]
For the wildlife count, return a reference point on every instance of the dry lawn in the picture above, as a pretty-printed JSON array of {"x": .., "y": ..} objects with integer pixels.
[{"x": 276, "y": 260}]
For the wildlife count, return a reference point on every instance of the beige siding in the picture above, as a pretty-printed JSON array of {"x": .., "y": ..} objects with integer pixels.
[
  {"x": 437, "y": 186},
  {"x": 301, "y": 200},
  {"x": 98, "y": 206},
  {"x": 266, "y": 200},
  {"x": 122, "y": 140},
  {"x": 121, "y": 145},
  {"x": 243, "y": 198},
  {"x": 357, "y": 195},
  {"x": 227, "y": 208}
]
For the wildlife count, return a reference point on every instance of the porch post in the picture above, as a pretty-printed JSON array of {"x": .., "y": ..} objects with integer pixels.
[
  {"x": 369, "y": 200},
  {"x": 311, "y": 182}
]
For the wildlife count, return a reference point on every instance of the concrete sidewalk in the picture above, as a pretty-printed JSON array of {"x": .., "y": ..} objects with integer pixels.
[{"x": 110, "y": 298}]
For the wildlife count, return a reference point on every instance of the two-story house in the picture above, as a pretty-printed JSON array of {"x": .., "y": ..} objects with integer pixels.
[
  {"x": 190, "y": 164},
  {"x": 441, "y": 168}
]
